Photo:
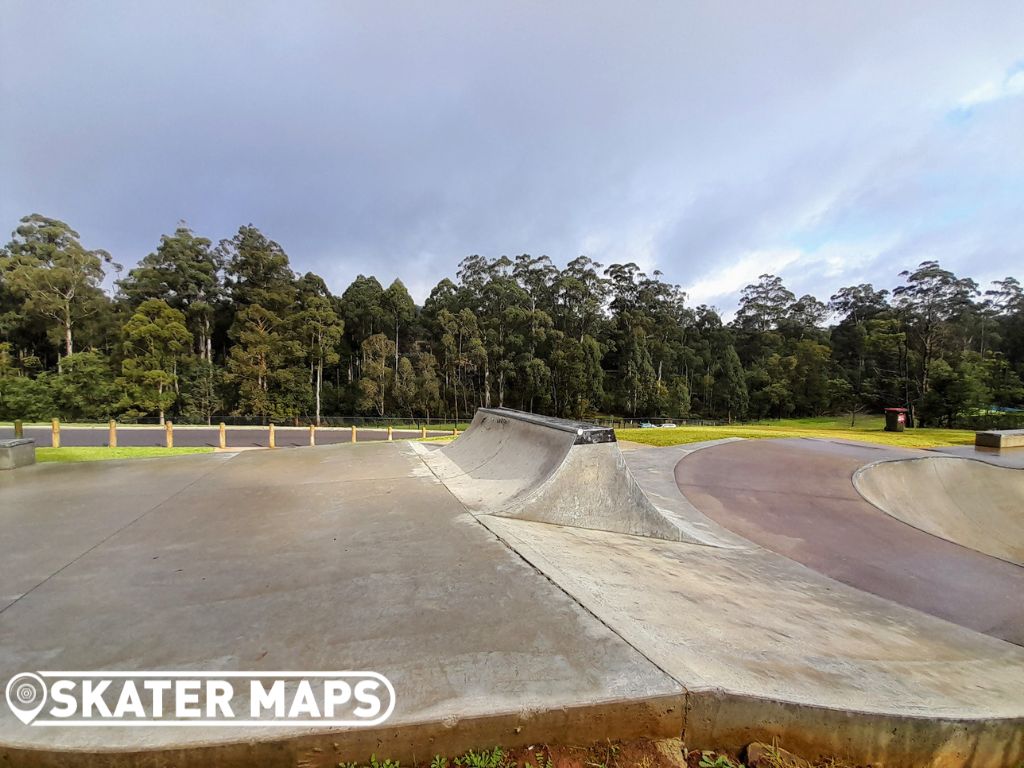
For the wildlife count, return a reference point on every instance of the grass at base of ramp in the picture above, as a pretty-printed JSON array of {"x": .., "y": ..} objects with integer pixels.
[
  {"x": 104, "y": 454},
  {"x": 867, "y": 429}
]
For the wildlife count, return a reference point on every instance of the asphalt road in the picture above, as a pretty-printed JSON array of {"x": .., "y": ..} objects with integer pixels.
[
  {"x": 191, "y": 437},
  {"x": 796, "y": 497}
]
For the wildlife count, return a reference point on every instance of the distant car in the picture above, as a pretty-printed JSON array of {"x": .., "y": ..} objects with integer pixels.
[
  {"x": 646, "y": 425},
  {"x": 668, "y": 425}
]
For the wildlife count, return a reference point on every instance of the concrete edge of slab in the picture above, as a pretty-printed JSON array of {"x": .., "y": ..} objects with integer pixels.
[
  {"x": 650, "y": 718},
  {"x": 716, "y": 719}
]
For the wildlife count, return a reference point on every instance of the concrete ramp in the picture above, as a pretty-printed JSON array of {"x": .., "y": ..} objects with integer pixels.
[
  {"x": 971, "y": 503},
  {"x": 514, "y": 464}
]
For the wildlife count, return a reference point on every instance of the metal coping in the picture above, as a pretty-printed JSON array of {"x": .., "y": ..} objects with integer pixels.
[
  {"x": 14, "y": 442},
  {"x": 586, "y": 434}
]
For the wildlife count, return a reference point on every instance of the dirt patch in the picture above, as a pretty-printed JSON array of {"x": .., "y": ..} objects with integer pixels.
[{"x": 663, "y": 753}]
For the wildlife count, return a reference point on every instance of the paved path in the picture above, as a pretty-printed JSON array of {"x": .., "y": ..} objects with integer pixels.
[
  {"x": 796, "y": 497},
  {"x": 197, "y": 437}
]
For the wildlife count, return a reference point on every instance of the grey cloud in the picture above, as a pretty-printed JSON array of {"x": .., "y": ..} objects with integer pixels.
[{"x": 398, "y": 140}]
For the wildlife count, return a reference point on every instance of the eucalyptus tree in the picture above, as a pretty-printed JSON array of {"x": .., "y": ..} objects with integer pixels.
[
  {"x": 377, "y": 380},
  {"x": 763, "y": 309},
  {"x": 184, "y": 271},
  {"x": 321, "y": 330},
  {"x": 46, "y": 265},
  {"x": 398, "y": 310},
  {"x": 360, "y": 309},
  {"x": 855, "y": 306},
  {"x": 266, "y": 360},
  {"x": 930, "y": 299},
  {"x": 156, "y": 343}
]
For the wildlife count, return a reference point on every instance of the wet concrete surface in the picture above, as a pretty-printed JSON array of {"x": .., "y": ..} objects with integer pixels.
[
  {"x": 345, "y": 557},
  {"x": 496, "y": 630},
  {"x": 796, "y": 498}
]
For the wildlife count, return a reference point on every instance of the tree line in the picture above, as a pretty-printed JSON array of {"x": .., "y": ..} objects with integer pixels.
[{"x": 200, "y": 331}]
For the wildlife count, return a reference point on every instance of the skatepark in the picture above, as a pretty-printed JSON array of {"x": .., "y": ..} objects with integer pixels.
[{"x": 534, "y": 582}]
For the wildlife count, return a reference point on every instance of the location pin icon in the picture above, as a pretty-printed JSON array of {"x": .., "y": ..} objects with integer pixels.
[{"x": 26, "y": 695}]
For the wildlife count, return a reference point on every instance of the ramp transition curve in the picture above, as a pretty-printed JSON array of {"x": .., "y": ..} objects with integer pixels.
[
  {"x": 514, "y": 464},
  {"x": 967, "y": 502}
]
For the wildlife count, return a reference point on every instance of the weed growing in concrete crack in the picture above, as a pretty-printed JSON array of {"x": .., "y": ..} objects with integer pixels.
[
  {"x": 374, "y": 763},
  {"x": 710, "y": 760},
  {"x": 494, "y": 758}
]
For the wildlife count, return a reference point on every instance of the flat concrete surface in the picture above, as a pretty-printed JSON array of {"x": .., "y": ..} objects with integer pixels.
[
  {"x": 188, "y": 436},
  {"x": 348, "y": 557},
  {"x": 796, "y": 497},
  {"x": 499, "y": 630},
  {"x": 755, "y": 624},
  {"x": 1004, "y": 457}
]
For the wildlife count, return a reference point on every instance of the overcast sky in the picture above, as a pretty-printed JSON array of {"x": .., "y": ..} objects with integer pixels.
[{"x": 830, "y": 143}]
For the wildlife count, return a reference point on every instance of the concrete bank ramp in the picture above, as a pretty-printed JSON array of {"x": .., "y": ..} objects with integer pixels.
[
  {"x": 971, "y": 503},
  {"x": 514, "y": 464}
]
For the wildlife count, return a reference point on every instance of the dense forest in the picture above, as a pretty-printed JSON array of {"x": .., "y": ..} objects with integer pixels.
[{"x": 200, "y": 332}]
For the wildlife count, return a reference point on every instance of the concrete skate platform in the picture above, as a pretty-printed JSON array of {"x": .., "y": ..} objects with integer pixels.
[
  {"x": 1000, "y": 438},
  {"x": 17, "y": 453},
  {"x": 517, "y": 586}
]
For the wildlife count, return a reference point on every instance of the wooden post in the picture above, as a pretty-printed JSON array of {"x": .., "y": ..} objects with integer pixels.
[
  {"x": 423, "y": 431},
  {"x": 312, "y": 435},
  {"x": 55, "y": 433},
  {"x": 353, "y": 433},
  {"x": 112, "y": 440},
  {"x": 270, "y": 439},
  {"x": 169, "y": 434},
  {"x": 19, "y": 429},
  {"x": 223, "y": 435},
  {"x": 391, "y": 435}
]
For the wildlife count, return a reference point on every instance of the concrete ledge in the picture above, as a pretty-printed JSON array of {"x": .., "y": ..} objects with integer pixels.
[
  {"x": 17, "y": 453},
  {"x": 654, "y": 718},
  {"x": 1000, "y": 438},
  {"x": 720, "y": 720}
]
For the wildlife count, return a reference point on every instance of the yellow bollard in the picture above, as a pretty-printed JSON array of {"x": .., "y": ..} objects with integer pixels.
[
  {"x": 270, "y": 439},
  {"x": 423, "y": 431},
  {"x": 353, "y": 433},
  {"x": 19, "y": 429},
  {"x": 455, "y": 432},
  {"x": 55, "y": 433},
  {"x": 312, "y": 435},
  {"x": 112, "y": 439},
  {"x": 223, "y": 435},
  {"x": 391, "y": 434},
  {"x": 169, "y": 434}
]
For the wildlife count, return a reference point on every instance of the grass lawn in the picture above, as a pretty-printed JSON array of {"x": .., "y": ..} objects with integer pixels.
[
  {"x": 868, "y": 429},
  {"x": 102, "y": 454}
]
